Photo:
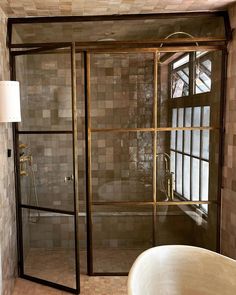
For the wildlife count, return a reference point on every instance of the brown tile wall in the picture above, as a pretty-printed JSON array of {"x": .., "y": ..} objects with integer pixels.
[
  {"x": 228, "y": 226},
  {"x": 7, "y": 194}
]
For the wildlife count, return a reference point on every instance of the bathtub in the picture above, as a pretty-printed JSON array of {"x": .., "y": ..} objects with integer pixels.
[{"x": 182, "y": 270}]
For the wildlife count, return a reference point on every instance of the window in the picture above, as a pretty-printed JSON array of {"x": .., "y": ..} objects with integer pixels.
[
  {"x": 190, "y": 148},
  {"x": 180, "y": 77},
  {"x": 192, "y": 66},
  {"x": 202, "y": 73}
]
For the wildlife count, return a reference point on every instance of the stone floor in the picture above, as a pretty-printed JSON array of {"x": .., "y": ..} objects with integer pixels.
[
  {"x": 58, "y": 266},
  {"x": 89, "y": 286}
]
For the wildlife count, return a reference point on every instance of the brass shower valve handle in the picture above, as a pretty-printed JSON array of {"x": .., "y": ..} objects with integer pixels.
[{"x": 69, "y": 178}]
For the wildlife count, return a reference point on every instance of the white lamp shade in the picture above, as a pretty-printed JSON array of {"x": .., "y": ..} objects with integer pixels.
[{"x": 10, "y": 101}]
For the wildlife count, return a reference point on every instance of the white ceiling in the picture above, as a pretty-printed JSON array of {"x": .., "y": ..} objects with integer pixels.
[{"x": 22, "y": 8}]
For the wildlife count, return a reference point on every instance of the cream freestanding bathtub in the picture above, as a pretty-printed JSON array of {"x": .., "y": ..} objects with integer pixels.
[{"x": 182, "y": 270}]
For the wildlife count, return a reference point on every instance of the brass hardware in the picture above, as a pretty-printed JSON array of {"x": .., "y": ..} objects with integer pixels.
[
  {"x": 22, "y": 146},
  {"x": 69, "y": 178},
  {"x": 151, "y": 129},
  {"x": 168, "y": 185},
  {"x": 24, "y": 160}
]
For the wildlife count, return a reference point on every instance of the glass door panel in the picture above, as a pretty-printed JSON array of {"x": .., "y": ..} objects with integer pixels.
[
  {"x": 122, "y": 166},
  {"x": 45, "y": 81},
  {"x": 120, "y": 235},
  {"x": 49, "y": 246},
  {"x": 120, "y": 150},
  {"x": 46, "y": 170}
]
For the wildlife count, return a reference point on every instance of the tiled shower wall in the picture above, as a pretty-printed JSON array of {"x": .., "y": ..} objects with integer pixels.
[
  {"x": 7, "y": 197},
  {"x": 122, "y": 97},
  {"x": 116, "y": 83},
  {"x": 228, "y": 242}
]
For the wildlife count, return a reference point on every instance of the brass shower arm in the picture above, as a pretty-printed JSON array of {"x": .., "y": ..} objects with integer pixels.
[{"x": 179, "y": 33}]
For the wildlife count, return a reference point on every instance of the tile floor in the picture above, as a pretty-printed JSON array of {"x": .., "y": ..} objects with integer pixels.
[
  {"x": 89, "y": 286},
  {"x": 57, "y": 266}
]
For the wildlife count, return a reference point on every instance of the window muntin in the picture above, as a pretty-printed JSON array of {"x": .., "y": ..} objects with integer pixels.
[
  {"x": 190, "y": 153},
  {"x": 190, "y": 148}
]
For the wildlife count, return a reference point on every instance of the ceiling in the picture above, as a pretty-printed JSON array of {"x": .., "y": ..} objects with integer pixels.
[{"x": 22, "y": 8}]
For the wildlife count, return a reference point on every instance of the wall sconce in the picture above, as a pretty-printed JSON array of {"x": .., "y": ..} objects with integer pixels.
[{"x": 10, "y": 101}]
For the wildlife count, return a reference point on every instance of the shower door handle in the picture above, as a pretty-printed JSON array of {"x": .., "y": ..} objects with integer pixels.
[{"x": 69, "y": 178}]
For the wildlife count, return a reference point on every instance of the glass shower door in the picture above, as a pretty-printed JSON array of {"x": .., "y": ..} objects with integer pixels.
[{"x": 47, "y": 196}]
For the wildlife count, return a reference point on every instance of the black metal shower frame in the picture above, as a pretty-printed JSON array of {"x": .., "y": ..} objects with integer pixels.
[{"x": 87, "y": 48}]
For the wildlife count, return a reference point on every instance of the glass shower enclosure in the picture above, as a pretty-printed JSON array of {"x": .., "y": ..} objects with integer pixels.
[{"x": 119, "y": 148}]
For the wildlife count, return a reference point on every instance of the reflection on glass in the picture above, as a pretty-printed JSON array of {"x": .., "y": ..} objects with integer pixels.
[{"x": 48, "y": 247}]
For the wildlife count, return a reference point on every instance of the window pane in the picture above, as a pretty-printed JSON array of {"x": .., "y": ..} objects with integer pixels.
[
  {"x": 186, "y": 177},
  {"x": 187, "y": 140},
  {"x": 180, "y": 117},
  {"x": 196, "y": 116},
  {"x": 180, "y": 141},
  {"x": 206, "y": 116},
  {"x": 196, "y": 143},
  {"x": 203, "y": 75},
  {"x": 179, "y": 174},
  {"x": 181, "y": 61},
  {"x": 180, "y": 82},
  {"x": 173, "y": 139},
  {"x": 195, "y": 179},
  {"x": 174, "y": 117},
  {"x": 188, "y": 117},
  {"x": 172, "y": 165},
  {"x": 205, "y": 144},
  {"x": 204, "y": 181}
]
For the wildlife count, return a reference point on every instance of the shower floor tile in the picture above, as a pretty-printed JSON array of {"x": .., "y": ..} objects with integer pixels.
[
  {"x": 48, "y": 265},
  {"x": 89, "y": 286}
]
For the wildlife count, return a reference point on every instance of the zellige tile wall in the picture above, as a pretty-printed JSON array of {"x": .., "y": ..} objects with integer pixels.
[{"x": 7, "y": 193}]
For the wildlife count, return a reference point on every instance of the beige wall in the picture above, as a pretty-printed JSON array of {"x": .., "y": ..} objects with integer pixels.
[{"x": 7, "y": 197}]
